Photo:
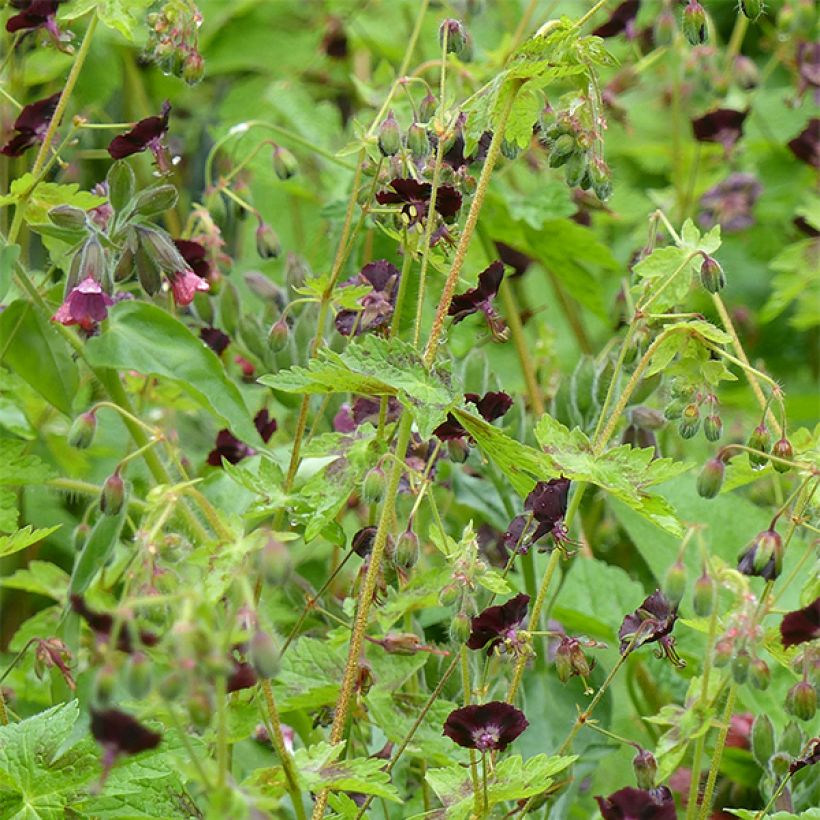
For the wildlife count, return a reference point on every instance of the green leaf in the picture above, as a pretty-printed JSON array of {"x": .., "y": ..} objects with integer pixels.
[
  {"x": 8, "y": 256},
  {"x": 310, "y": 676},
  {"x": 23, "y": 538},
  {"x": 318, "y": 767},
  {"x": 143, "y": 337},
  {"x": 124, "y": 16},
  {"x": 41, "y": 578},
  {"x": 48, "y": 195},
  {"x": 32, "y": 348},
  {"x": 753, "y": 814},
  {"x": 98, "y": 548},
  {"x": 375, "y": 366},
  {"x": 17, "y": 468}
]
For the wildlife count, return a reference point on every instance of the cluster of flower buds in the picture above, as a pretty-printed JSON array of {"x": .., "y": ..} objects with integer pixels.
[
  {"x": 174, "y": 40},
  {"x": 760, "y": 441},
  {"x": 571, "y": 660},
  {"x": 737, "y": 647},
  {"x": 686, "y": 405},
  {"x": 777, "y": 756},
  {"x": 573, "y": 147}
]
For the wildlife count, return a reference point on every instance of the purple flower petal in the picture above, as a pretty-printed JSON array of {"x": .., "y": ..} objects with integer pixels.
[
  {"x": 498, "y": 623},
  {"x": 485, "y": 727},
  {"x": 122, "y": 733},
  {"x": 638, "y": 804},
  {"x": 620, "y": 19},
  {"x": 806, "y": 145},
  {"x": 145, "y": 134},
  {"x": 723, "y": 125},
  {"x": 801, "y": 625}
]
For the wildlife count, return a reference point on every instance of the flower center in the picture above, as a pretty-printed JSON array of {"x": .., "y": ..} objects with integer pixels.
[{"x": 486, "y": 738}]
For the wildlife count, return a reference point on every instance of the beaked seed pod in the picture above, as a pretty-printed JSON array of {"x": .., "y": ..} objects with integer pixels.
[
  {"x": 112, "y": 496},
  {"x": 760, "y": 439},
  {"x": 285, "y": 164},
  {"x": 711, "y": 275},
  {"x": 264, "y": 654},
  {"x": 762, "y": 739},
  {"x": 782, "y": 448},
  {"x": 82, "y": 430},
  {"x": 801, "y": 700},
  {"x": 389, "y": 136},
  {"x": 712, "y": 427},
  {"x": 694, "y": 23},
  {"x": 710, "y": 479},
  {"x": 646, "y": 769}
]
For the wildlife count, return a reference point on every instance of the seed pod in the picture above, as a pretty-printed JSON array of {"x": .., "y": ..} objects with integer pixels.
[
  {"x": 374, "y": 485},
  {"x": 264, "y": 654},
  {"x": 710, "y": 479},
  {"x": 121, "y": 184},
  {"x": 457, "y": 37},
  {"x": 275, "y": 562},
  {"x": 460, "y": 628},
  {"x": 791, "y": 741},
  {"x": 760, "y": 675},
  {"x": 138, "y": 675},
  {"x": 646, "y": 769},
  {"x": 407, "y": 550},
  {"x": 690, "y": 421},
  {"x": 740, "y": 666},
  {"x": 674, "y": 584},
  {"x": 760, "y": 439},
  {"x": 268, "y": 245},
  {"x": 417, "y": 141},
  {"x": 82, "y": 430},
  {"x": 427, "y": 107},
  {"x": 575, "y": 169},
  {"x": 278, "y": 335},
  {"x": 782, "y": 448},
  {"x": 67, "y": 216},
  {"x": 762, "y": 739},
  {"x": 113, "y": 494},
  {"x": 389, "y": 136},
  {"x": 285, "y": 164},
  {"x": 161, "y": 249},
  {"x": 563, "y": 148},
  {"x": 155, "y": 200},
  {"x": 694, "y": 23},
  {"x": 801, "y": 700},
  {"x": 703, "y": 595},
  {"x": 711, "y": 275},
  {"x": 751, "y": 8}
]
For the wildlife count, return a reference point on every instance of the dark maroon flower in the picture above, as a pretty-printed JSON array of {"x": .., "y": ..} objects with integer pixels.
[
  {"x": 730, "y": 202},
  {"x": 414, "y": 197},
  {"x": 35, "y": 14},
  {"x": 194, "y": 255},
  {"x": 146, "y": 134},
  {"x": 764, "y": 557},
  {"x": 544, "y": 511},
  {"x": 652, "y": 621},
  {"x": 229, "y": 447},
  {"x": 801, "y": 625},
  {"x": 377, "y": 306},
  {"x": 362, "y": 542},
  {"x": 455, "y": 157},
  {"x": 119, "y": 733},
  {"x": 808, "y": 69},
  {"x": 242, "y": 676},
  {"x": 638, "y": 804},
  {"x": 621, "y": 20},
  {"x": 811, "y": 756},
  {"x": 480, "y": 299},
  {"x": 723, "y": 125},
  {"x": 512, "y": 258},
  {"x": 86, "y": 306},
  {"x": 102, "y": 623},
  {"x": 491, "y": 406},
  {"x": 806, "y": 145},
  {"x": 215, "y": 339},
  {"x": 31, "y": 125},
  {"x": 367, "y": 409},
  {"x": 265, "y": 424},
  {"x": 499, "y": 625},
  {"x": 484, "y": 727}
]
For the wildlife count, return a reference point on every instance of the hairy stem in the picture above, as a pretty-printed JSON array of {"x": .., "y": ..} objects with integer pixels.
[{"x": 706, "y": 804}]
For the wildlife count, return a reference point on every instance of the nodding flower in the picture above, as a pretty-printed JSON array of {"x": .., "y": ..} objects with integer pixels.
[
  {"x": 31, "y": 125},
  {"x": 488, "y": 726},
  {"x": 653, "y": 621}
]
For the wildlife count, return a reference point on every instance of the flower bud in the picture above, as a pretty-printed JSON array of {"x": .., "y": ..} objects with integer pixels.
[
  {"x": 801, "y": 700},
  {"x": 278, "y": 335},
  {"x": 121, "y": 184},
  {"x": 264, "y": 654},
  {"x": 460, "y": 628},
  {"x": 156, "y": 200},
  {"x": 746, "y": 73},
  {"x": 791, "y": 741},
  {"x": 138, "y": 675},
  {"x": 710, "y": 479},
  {"x": 67, "y": 216},
  {"x": 407, "y": 550},
  {"x": 740, "y": 666},
  {"x": 417, "y": 141},
  {"x": 759, "y": 674},
  {"x": 782, "y": 448},
  {"x": 689, "y": 421},
  {"x": 275, "y": 562},
  {"x": 723, "y": 652},
  {"x": 104, "y": 683},
  {"x": 171, "y": 686},
  {"x": 563, "y": 661},
  {"x": 779, "y": 764},
  {"x": 125, "y": 266},
  {"x": 200, "y": 708},
  {"x": 427, "y": 107},
  {"x": 664, "y": 30},
  {"x": 374, "y": 485},
  {"x": 267, "y": 242},
  {"x": 711, "y": 275},
  {"x": 449, "y": 595},
  {"x": 562, "y": 149},
  {"x": 674, "y": 584},
  {"x": 159, "y": 246},
  {"x": 575, "y": 169},
  {"x": 148, "y": 272},
  {"x": 113, "y": 494},
  {"x": 80, "y": 535},
  {"x": 764, "y": 557},
  {"x": 712, "y": 427},
  {"x": 646, "y": 769},
  {"x": 762, "y": 739},
  {"x": 389, "y": 136},
  {"x": 285, "y": 164},
  {"x": 760, "y": 439},
  {"x": 458, "y": 450},
  {"x": 703, "y": 595},
  {"x": 751, "y": 8},
  {"x": 82, "y": 430},
  {"x": 674, "y": 409},
  {"x": 601, "y": 178},
  {"x": 457, "y": 37},
  {"x": 694, "y": 23}
]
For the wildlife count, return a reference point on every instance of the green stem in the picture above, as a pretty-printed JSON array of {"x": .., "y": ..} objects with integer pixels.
[
  {"x": 706, "y": 804},
  {"x": 467, "y": 688},
  {"x": 613, "y": 382},
  {"x": 777, "y": 792}
]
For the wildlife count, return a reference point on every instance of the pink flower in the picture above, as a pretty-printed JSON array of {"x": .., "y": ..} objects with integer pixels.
[
  {"x": 185, "y": 284},
  {"x": 85, "y": 306}
]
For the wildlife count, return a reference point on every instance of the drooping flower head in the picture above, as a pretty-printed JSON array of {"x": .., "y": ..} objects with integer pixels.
[
  {"x": 544, "y": 511},
  {"x": 86, "y": 305},
  {"x": 512, "y": 258},
  {"x": 500, "y": 625},
  {"x": 651, "y": 622},
  {"x": 621, "y": 20},
  {"x": 31, "y": 125},
  {"x": 489, "y": 726},
  {"x": 480, "y": 299},
  {"x": 194, "y": 254},
  {"x": 377, "y": 305},
  {"x": 808, "y": 758},
  {"x": 638, "y": 804},
  {"x": 801, "y": 625},
  {"x": 722, "y": 125},
  {"x": 414, "y": 197},
  {"x": 490, "y": 406},
  {"x": 764, "y": 557},
  {"x": 185, "y": 284},
  {"x": 806, "y": 145},
  {"x": 147, "y": 134},
  {"x": 35, "y": 14},
  {"x": 730, "y": 202}
]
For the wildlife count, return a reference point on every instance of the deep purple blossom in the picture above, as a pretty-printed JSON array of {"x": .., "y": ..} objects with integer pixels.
[
  {"x": 86, "y": 305},
  {"x": 265, "y": 424},
  {"x": 638, "y": 804},
  {"x": 33, "y": 15},
  {"x": 489, "y": 726},
  {"x": 242, "y": 676},
  {"x": 414, "y": 197},
  {"x": 147, "y": 134},
  {"x": 544, "y": 511},
  {"x": 490, "y": 406},
  {"x": 377, "y": 305},
  {"x": 364, "y": 409},
  {"x": 730, "y": 202},
  {"x": 621, "y": 20},
  {"x": 480, "y": 299},
  {"x": 102, "y": 623},
  {"x": 809, "y": 758},
  {"x": 194, "y": 255},
  {"x": 229, "y": 447},
  {"x": 215, "y": 339},
  {"x": 723, "y": 125},
  {"x": 455, "y": 157},
  {"x": 512, "y": 258},
  {"x": 763, "y": 557},
  {"x": 801, "y": 625},
  {"x": 806, "y": 145},
  {"x": 499, "y": 624},
  {"x": 652, "y": 621},
  {"x": 118, "y": 733},
  {"x": 31, "y": 126}
]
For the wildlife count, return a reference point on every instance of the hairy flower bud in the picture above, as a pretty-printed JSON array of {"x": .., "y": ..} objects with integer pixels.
[
  {"x": 138, "y": 675},
  {"x": 458, "y": 40},
  {"x": 374, "y": 485},
  {"x": 764, "y": 557},
  {"x": 148, "y": 272},
  {"x": 689, "y": 421},
  {"x": 407, "y": 550},
  {"x": 782, "y": 448},
  {"x": 703, "y": 595},
  {"x": 694, "y": 23},
  {"x": 711, "y": 275},
  {"x": 762, "y": 739},
  {"x": 278, "y": 335},
  {"x": 575, "y": 169},
  {"x": 417, "y": 141},
  {"x": 161, "y": 249},
  {"x": 81, "y": 433},
  {"x": 751, "y": 8},
  {"x": 664, "y": 29},
  {"x": 171, "y": 686},
  {"x": 723, "y": 652},
  {"x": 113, "y": 494},
  {"x": 710, "y": 479},
  {"x": 193, "y": 68},
  {"x": 427, "y": 107},
  {"x": 449, "y": 595},
  {"x": 156, "y": 200},
  {"x": 562, "y": 149},
  {"x": 104, "y": 684},
  {"x": 267, "y": 242},
  {"x": 712, "y": 427},
  {"x": 791, "y": 741},
  {"x": 674, "y": 584},
  {"x": 760, "y": 439},
  {"x": 801, "y": 700},
  {"x": 460, "y": 628},
  {"x": 646, "y": 769},
  {"x": 67, "y": 216},
  {"x": 275, "y": 562},
  {"x": 389, "y": 136},
  {"x": 601, "y": 178},
  {"x": 759, "y": 674},
  {"x": 264, "y": 654},
  {"x": 740, "y": 666},
  {"x": 122, "y": 183},
  {"x": 285, "y": 164}
]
